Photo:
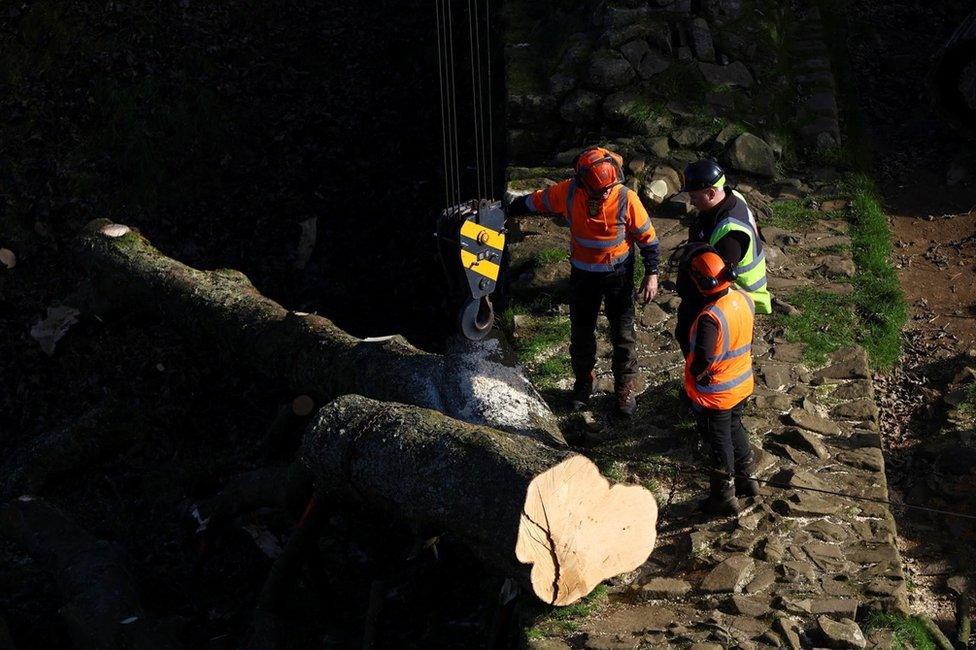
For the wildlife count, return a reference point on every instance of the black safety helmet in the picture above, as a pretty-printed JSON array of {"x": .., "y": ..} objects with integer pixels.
[{"x": 702, "y": 174}]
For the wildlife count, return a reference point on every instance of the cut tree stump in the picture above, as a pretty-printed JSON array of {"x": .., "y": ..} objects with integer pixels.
[
  {"x": 103, "y": 609},
  {"x": 543, "y": 516},
  {"x": 223, "y": 311}
]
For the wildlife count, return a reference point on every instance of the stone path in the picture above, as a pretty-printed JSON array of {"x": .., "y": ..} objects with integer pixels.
[{"x": 795, "y": 568}]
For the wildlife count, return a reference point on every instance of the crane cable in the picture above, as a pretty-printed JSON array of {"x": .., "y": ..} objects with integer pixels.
[{"x": 482, "y": 132}]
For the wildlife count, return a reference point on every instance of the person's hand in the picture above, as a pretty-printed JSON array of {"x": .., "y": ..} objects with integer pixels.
[{"x": 648, "y": 288}]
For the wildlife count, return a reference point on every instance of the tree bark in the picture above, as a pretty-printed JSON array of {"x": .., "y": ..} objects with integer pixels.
[
  {"x": 307, "y": 353},
  {"x": 543, "y": 516},
  {"x": 103, "y": 610}
]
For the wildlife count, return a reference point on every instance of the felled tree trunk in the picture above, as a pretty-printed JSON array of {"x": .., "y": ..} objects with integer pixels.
[
  {"x": 222, "y": 309},
  {"x": 103, "y": 609},
  {"x": 543, "y": 516}
]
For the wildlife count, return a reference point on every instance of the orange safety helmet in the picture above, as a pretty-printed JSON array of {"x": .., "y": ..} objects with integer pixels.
[
  {"x": 598, "y": 169},
  {"x": 710, "y": 273}
]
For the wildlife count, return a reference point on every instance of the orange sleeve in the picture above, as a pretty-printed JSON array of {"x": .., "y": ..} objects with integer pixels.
[
  {"x": 638, "y": 222},
  {"x": 551, "y": 200}
]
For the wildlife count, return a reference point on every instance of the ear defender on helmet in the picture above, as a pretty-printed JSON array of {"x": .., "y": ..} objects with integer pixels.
[
  {"x": 598, "y": 169},
  {"x": 711, "y": 274}
]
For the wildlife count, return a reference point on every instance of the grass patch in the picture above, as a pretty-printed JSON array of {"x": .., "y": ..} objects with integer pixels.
[
  {"x": 826, "y": 322},
  {"x": 554, "y": 621},
  {"x": 797, "y": 214},
  {"x": 553, "y": 255},
  {"x": 878, "y": 299},
  {"x": 550, "y": 371},
  {"x": 536, "y": 334},
  {"x": 907, "y": 631}
]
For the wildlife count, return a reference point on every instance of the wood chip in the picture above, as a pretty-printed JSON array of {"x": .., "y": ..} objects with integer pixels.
[{"x": 8, "y": 258}]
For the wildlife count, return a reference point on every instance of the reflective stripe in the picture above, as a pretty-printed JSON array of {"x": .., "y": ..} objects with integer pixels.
[
  {"x": 653, "y": 242},
  {"x": 731, "y": 354},
  {"x": 724, "y": 324},
  {"x": 756, "y": 261},
  {"x": 545, "y": 200},
  {"x": 640, "y": 231},
  {"x": 530, "y": 200},
  {"x": 756, "y": 285},
  {"x": 570, "y": 195},
  {"x": 622, "y": 202},
  {"x": 600, "y": 243},
  {"x": 732, "y": 383},
  {"x": 749, "y": 301},
  {"x": 604, "y": 266},
  {"x": 753, "y": 236}
]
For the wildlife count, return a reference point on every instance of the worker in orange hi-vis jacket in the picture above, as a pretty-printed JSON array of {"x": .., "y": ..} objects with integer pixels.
[
  {"x": 605, "y": 220},
  {"x": 718, "y": 379}
]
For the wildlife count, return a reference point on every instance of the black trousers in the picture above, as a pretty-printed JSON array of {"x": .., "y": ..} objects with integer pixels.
[
  {"x": 725, "y": 437},
  {"x": 615, "y": 290}
]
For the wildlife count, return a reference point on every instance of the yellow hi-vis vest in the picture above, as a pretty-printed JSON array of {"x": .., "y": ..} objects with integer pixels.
[{"x": 752, "y": 268}]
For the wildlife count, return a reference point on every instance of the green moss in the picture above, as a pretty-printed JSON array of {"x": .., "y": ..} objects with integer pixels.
[
  {"x": 907, "y": 631},
  {"x": 554, "y": 621},
  {"x": 539, "y": 334}
]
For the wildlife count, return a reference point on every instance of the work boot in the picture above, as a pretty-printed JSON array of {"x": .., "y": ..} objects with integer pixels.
[
  {"x": 721, "y": 499},
  {"x": 745, "y": 484},
  {"x": 626, "y": 397},
  {"x": 582, "y": 389}
]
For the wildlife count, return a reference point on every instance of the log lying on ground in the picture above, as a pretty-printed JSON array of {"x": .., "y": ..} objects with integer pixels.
[
  {"x": 305, "y": 352},
  {"x": 543, "y": 516},
  {"x": 103, "y": 609}
]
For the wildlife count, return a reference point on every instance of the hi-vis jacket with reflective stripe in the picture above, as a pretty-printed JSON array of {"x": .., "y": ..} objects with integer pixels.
[
  {"x": 600, "y": 241},
  {"x": 752, "y": 267},
  {"x": 730, "y": 363}
]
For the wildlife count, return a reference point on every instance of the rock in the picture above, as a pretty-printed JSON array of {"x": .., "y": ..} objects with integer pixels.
[
  {"x": 761, "y": 582},
  {"x": 665, "y": 588},
  {"x": 659, "y": 146},
  {"x": 809, "y": 421},
  {"x": 827, "y": 557},
  {"x": 580, "y": 107},
  {"x": 785, "y": 626},
  {"x": 859, "y": 409},
  {"x": 793, "y": 571},
  {"x": 774, "y": 402},
  {"x": 805, "y": 441},
  {"x": 838, "y": 267},
  {"x": 734, "y": 75},
  {"x": 653, "y": 63},
  {"x": 788, "y": 352},
  {"x": 867, "y": 458},
  {"x": 634, "y": 51},
  {"x": 722, "y": 11},
  {"x": 805, "y": 505},
  {"x": 652, "y": 315},
  {"x": 684, "y": 54},
  {"x": 856, "y": 389},
  {"x": 701, "y": 40},
  {"x": 776, "y": 375},
  {"x": 546, "y": 643},
  {"x": 841, "y": 607},
  {"x": 608, "y": 73},
  {"x": 728, "y": 133},
  {"x": 828, "y": 532},
  {"x": 620, "y": 106},
  {"x": 851, "y": 363},
  {"x": 692, "y": 137},
  {"x": 749, "y": 606},
  {"x": 841, "y": 634},
  {"x": 752, "y": 155},
  {"x": 729, "y": 576}
]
